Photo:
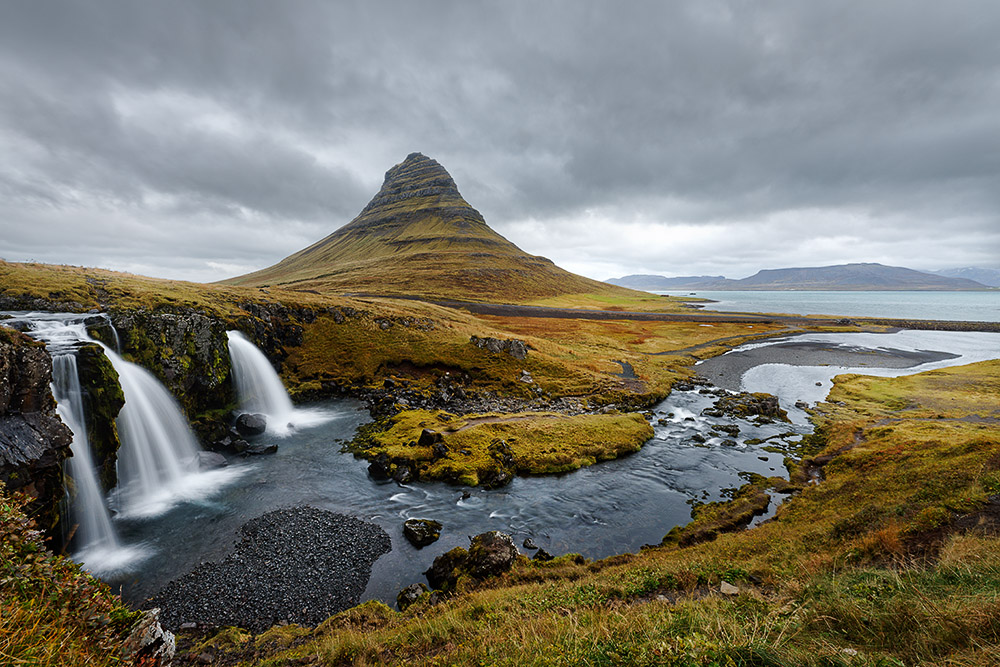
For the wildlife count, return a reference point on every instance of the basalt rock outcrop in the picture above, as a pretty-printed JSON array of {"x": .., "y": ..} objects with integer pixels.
[
  {"x": 489, "y": 554},
  {"x": 509, "y": 346},
  {"x": 33, "y": 440},
  {"x": 188, "y": 352},
  {"x": 758, "y": 407}
]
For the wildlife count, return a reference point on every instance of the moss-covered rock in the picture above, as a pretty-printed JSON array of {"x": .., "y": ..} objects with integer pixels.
[
  {"x": 489, "y": 449},
  {"x": 759, "y": 406},
  {"x": 188, "y": 352},
  {"x": 102, "y": 401}
]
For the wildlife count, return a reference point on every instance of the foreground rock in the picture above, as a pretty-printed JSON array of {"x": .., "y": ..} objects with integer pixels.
[
  {"x": 33, "y": 440},
  {"x": 409, "y": 596},
  {"x": 297, "y": 565},
  {"x": 489, "y": 555},
  {"x": 149, "y": 644}
]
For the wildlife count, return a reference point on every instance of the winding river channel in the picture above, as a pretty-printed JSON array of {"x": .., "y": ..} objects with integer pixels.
[{"x": 609, "y": 508}]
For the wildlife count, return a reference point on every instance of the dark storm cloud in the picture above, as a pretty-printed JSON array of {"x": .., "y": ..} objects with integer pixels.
[{"x": 201, "y": 139}]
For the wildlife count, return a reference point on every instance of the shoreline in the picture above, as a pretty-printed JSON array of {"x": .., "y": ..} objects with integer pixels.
[{"x": 727, "y": 370}]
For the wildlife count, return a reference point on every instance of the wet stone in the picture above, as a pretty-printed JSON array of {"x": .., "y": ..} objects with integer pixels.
[
  {"x": 251, "y": 424},
  {"x": 298, "y": 565},
  {"x": 421, "y": 532}
]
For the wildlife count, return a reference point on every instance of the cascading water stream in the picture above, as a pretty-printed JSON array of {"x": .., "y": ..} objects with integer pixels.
[
  {"x": 260, "y": 390},
  {"x": 88, "y": 510},
  {"x": 159, "y": 454},
  {"x": 97, "y": 545},
  {"x": 158, "y": 462}
]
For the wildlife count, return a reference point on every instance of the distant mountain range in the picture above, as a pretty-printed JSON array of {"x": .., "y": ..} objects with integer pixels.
[
  {"x": 653, "y": 283},
  {"x": 989, "y": 277},
  {"x": 841, "y": 277}
]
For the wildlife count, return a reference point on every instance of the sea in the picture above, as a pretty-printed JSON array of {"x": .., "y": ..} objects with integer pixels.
[{"x": 967, "y": 306}]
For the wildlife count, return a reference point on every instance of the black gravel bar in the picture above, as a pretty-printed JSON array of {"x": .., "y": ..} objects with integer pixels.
[{"x": 297, "y": 565}]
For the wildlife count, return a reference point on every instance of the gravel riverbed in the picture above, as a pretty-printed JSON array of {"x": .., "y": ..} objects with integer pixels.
[{"x": 298, "y": 565}]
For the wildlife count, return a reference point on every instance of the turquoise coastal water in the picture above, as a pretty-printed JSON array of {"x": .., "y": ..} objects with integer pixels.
[{"x": 979, "y": 306}]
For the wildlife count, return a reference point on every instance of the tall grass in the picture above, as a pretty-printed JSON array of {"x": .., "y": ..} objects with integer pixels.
[{"x": 52, "y": 614}]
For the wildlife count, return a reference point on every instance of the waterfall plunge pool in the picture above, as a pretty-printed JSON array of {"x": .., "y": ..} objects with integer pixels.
[{"x": 609, "y": 508}]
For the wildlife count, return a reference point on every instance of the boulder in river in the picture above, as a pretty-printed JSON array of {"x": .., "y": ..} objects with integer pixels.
[
  {"x": 251, "y": 424},
  {"x": 379, "y": 468},
  {"x": 258, "y": 450},
  {"x": 211, "y": 460},
  {"x": 421, "y": 532}
]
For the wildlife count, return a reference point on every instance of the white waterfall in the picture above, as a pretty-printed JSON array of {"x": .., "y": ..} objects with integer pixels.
[
  {"x": 97, "y": 545},
  {"x": 158, "y": 457},
  {"x": 260, "y": 391},
  {"x": 159, "y": 452},
  {"x": 89, "y": 510}
]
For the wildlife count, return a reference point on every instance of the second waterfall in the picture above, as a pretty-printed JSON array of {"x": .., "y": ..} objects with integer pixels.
[{"x": 260, "y": 390}]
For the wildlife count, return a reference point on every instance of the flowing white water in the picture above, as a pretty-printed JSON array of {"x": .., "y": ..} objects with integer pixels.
[
  {"x": 158, "y": 463},
  {"x": 100, "y": 551},
  {"x": 96, "y": 542},
  {"x": 158, "y": 458},
  {"x": 89, "y": 510},
  {"x": 260, "y": 391}
]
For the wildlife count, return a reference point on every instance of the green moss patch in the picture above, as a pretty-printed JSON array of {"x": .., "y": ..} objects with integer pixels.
[{"x": 489, "y": 448}]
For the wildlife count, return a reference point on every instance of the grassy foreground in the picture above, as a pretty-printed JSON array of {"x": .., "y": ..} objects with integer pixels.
[
  {"x": 51, "y": 612},
  {"x": 893, "y": 559}
]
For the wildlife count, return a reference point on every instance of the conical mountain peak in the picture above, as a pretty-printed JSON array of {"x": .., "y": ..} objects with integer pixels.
[
  {"x": 418, "y": 236},
  {"x": 418, "y": 176}
]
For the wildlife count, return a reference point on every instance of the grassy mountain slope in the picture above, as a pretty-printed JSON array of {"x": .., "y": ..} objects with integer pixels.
[{"x": 418, "y": 236}]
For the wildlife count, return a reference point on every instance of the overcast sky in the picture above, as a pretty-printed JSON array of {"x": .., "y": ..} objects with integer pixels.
[{"x": 201, "y": 140}]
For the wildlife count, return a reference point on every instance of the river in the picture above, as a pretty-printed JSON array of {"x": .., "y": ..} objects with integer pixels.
[{"x": 609, "y": 508}]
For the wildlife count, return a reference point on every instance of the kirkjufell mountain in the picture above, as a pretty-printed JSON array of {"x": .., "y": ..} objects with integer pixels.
[{"x": 418, "y": 236}]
